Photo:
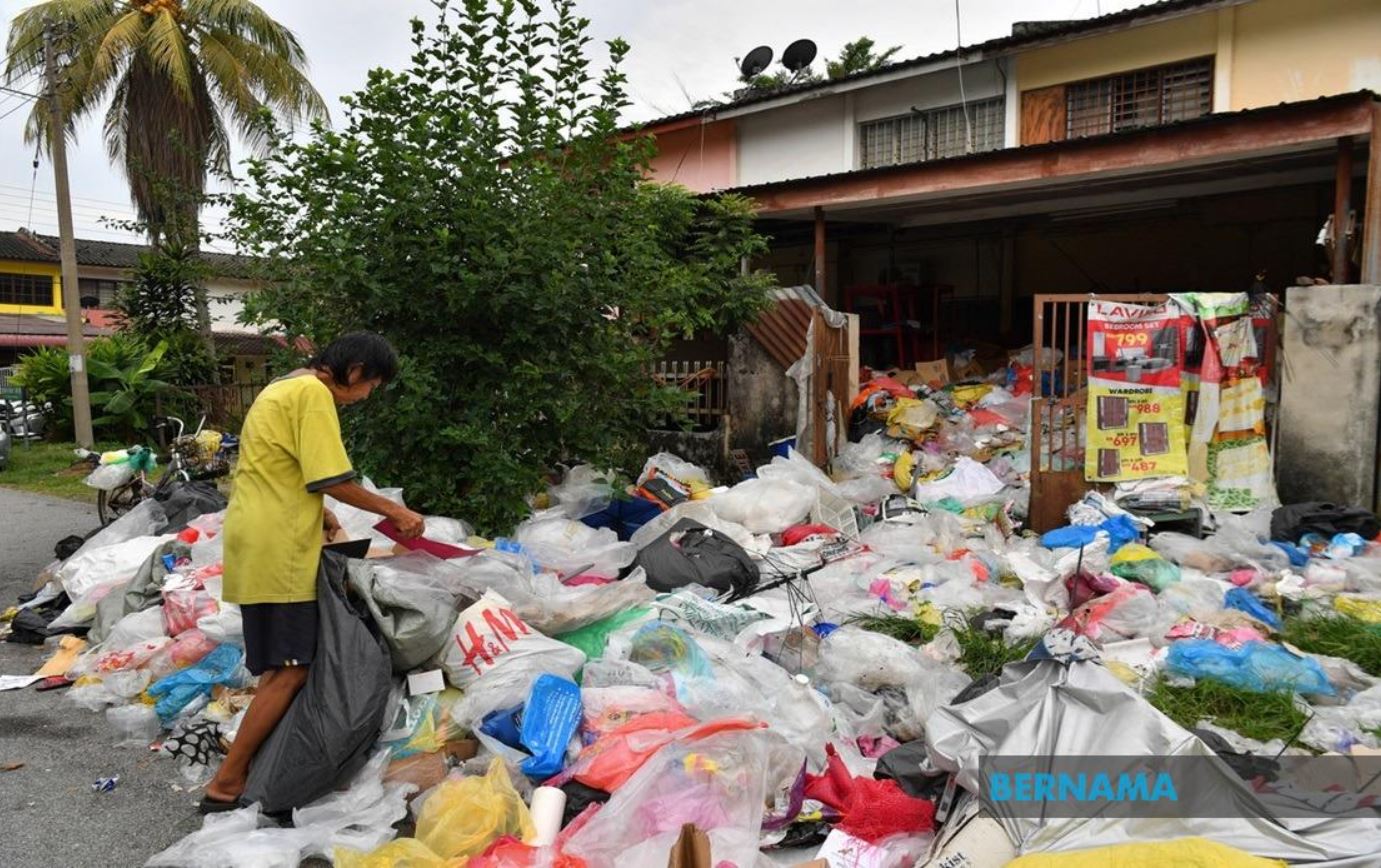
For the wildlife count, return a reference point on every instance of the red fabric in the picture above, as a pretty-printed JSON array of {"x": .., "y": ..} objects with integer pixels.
[
  {"x": 801, "y": 532},
  {"x": 871, "y": 810}
]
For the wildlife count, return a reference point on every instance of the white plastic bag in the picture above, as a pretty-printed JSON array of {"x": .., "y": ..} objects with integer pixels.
[
  {"x": 109, "y": 477},
  {"x": 490, "y": 637},
  {"x": 109, "y": 564},
  {"x": 570, "y": 547},
  {"x": 584, "y": 491},
  {"x": 765, "y": 505},
  {"x": 966, "y": 482}
]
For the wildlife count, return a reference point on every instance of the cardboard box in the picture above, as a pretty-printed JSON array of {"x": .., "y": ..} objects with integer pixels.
[{"x": 936, "y": 374}]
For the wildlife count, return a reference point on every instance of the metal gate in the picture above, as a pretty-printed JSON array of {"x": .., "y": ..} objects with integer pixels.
[{"x": 1059, "y": 402}]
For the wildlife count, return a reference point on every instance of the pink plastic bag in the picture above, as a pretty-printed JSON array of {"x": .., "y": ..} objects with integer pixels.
[
  {"x": 181, "y": 609},
  {"x": 186, "y": 649}
]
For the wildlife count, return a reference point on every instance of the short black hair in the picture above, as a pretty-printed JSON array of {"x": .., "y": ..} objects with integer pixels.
[{"x": 371, "y": 352}]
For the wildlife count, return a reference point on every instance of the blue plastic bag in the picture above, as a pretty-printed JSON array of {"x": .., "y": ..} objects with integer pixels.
[
  {"x": 1120, "y": 530},
  {"x": 505, "y": 725},
  {"x": 175, "y": 691},
  {"x": 1072, "y": 537},
  {"x": 550, "y": 719},
  {"x": 1245, "y": 601},
  {"x": 1260, "y": 667}
]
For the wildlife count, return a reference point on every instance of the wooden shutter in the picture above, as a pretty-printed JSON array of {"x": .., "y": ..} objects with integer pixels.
[{"x": 1043, "y": 115}]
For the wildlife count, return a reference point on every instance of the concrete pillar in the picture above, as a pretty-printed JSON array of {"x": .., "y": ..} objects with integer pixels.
[{"x": 1330, "y": 391}]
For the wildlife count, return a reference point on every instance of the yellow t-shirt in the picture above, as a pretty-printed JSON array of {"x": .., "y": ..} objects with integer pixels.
[{"x": 290, "y": 449}]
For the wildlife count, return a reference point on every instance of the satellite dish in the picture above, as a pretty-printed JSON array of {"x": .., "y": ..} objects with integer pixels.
[
  {"x": 798, "y": 55},
  {"x": 757, "y": 60}
]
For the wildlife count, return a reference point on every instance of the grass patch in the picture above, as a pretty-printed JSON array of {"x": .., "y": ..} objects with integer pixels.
[
  {"x": 1262, "y": 716},
  {"x": 1338, "y": 636},
  {"x": 47, "y": 468},
  {"x": 899, "y": 627},
  {"x": 984, "y": 653}
]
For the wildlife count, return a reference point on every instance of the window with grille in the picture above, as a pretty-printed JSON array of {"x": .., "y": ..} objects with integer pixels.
[
  {"x": 99, "y": 293},
  {"x": 932, "y": 134},
  {"x": 31, "y": 290},
  {"x": 1144, "y": 98}
]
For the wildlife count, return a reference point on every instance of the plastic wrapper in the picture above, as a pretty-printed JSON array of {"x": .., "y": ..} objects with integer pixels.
[
  {"x": 1137, "y": 563},
  {"x": 718, "y": 783},
  {"x": 83, "y": 609},
  {"x": 765, "y": 505},
  {"x": 1204, "y": 555},
  {"x": 399, "y": 853},
  {"x": 696, "y": 510},
  {"x": 862, "y": 458},
  {"x": 605, "y": 709},
  {"x": 412, "y": 599},
  {"x": 136, "y": 723},
  {"x": 723, "y": 621},
  {"x": 421, "y": 724},
  {"x": 1341, "y": 727},
  {"x": 183, "y": 608},
  {"x": 224, "y": 625},
  {"x": 583, "y": 491},
  {"x": 618, "y": 673},
  {"x": 913, "y": 543},
  {"x": 866, "y": 659},
  {"x": 967, "y": 482},
  {"x": 186, "y": 650},
  {"x": 677, "y": 468},
  {"x": 664, "y": 648},
  {"x": 462, "y": 817},
  {"x": 1257, "y": 666},
  {"x": 593, "y": 638},
  {"x": 572, "y": 548},
  {"x": 357, "y": 819}
]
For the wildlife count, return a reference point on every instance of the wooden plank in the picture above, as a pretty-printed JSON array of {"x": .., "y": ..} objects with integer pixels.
[
  {"x": 1043, "y": 115},
  {"x": 1342, "y": 204},
  {"x": 1205, "y": 141},
  {"x": 1371, "y": 208}
]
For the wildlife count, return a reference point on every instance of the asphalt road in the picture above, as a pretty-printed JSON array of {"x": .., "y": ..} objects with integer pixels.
[{"x": 51, "y": 816}]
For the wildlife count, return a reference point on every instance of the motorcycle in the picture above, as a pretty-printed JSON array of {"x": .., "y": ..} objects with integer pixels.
[{"x": 24, "y": 419}]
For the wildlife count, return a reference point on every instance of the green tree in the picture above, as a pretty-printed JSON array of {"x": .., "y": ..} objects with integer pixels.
[
  {"x": 160, "y": 306},
  {"x": 482, "y": 210},
  {"x": 179, "y": 76},
  {"x": 858, "y": 56}
]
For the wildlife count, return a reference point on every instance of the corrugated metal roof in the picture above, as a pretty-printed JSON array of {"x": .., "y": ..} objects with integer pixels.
[
  {"x": 781, "y": 329},
  {"x": 1033, "y": 32},
  {"x": 33, "y": 247},
  {"x": 1208, "y": 120}
]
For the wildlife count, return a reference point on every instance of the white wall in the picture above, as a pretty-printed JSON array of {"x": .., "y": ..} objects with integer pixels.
[
  {"x": 936, "y": 90},
  {"x": 818, "y": 136},
  {"x": 795, "y": 141},
  {"x": 225, "y": 300}
]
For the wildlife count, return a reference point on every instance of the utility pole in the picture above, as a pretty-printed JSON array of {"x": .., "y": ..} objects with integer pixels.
[{"x": 71, "y": 296}]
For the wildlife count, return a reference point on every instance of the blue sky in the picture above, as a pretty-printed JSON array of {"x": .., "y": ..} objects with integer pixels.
[{"x": 680, "y": 49}]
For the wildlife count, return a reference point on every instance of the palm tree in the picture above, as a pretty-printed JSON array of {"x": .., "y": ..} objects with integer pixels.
[
  {"x": 179, "y": 74},
  {"x": 858, "y": 56}
]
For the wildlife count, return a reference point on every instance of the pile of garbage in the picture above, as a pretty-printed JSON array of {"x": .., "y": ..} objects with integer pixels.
[{"x": 800, "y": 667}]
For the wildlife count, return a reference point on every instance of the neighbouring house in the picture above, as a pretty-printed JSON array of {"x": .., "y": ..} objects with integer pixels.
[
  {"x": 31, "y": 304},
  {"x": 975, "y": 198}
]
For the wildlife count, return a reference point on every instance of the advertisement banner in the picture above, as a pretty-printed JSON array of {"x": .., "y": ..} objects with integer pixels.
[{"x": 1136, "y": 418}]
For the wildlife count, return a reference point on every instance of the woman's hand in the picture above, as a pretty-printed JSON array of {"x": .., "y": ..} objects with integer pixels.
[{"x": 410, "y": 525}]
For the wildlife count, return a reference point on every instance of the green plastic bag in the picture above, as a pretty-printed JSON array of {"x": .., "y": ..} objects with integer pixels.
[{"x": 593, "y": 637}]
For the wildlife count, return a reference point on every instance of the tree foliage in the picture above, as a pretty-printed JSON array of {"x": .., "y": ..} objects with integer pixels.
[
  {"x": 484, "y": 211},
  {"x": 161, "y": 307},
  {"x": 859, "y": 56},
  {"x": 178, "y": 74}
]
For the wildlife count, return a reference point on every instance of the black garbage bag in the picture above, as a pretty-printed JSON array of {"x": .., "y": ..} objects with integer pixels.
[
  {"x": 691, "y": 553},
  {"x": 333, "y": 723},
  {"x": 184, "y": 501},
  {"x": 1289, "y": 523}
]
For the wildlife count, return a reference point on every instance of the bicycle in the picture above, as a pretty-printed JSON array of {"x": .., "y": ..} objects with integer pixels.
[{"x": 183, "y": 463}]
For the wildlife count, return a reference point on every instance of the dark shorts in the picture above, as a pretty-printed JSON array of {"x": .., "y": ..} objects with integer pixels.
[{"x": 278, "y": 635}]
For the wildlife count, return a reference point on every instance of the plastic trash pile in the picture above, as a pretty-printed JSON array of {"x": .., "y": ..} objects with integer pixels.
[{"x": 683, "y": 668}]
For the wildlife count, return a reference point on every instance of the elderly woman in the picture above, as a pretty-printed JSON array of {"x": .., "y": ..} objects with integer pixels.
[{"x": 291, "y": 455}]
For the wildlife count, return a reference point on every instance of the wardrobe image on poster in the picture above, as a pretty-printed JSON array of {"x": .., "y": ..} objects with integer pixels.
[{"x": 1135, "y": 426}]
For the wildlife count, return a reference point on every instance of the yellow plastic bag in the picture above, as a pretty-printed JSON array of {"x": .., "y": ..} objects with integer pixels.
[
  {"x": 1362, "y": 608},
  {"x": 1182, "y": 853},
  {"x": 904, "y": 470},
  {"x": 910, "y": 418},
  {"x": 464, "y": 816},
  {"x": 399, "y": 853}
]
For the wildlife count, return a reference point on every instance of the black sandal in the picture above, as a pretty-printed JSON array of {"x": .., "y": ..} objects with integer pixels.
[{"x": 209, "y": 805}]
